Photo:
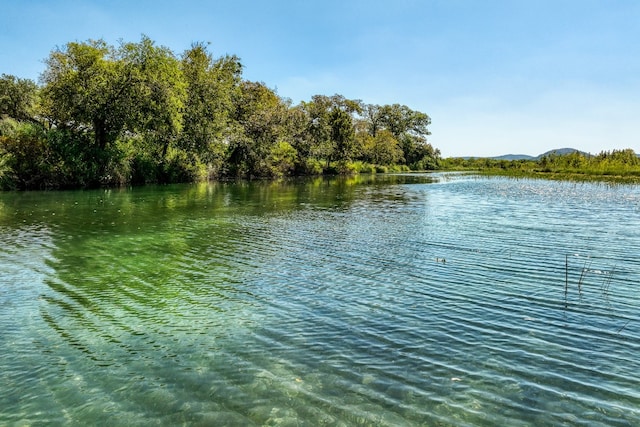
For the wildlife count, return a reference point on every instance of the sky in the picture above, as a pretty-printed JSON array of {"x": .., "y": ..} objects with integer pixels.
[{"x": 495, "y": 76}]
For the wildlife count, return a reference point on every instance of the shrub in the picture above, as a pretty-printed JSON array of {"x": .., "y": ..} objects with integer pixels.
[
  {"x": 27, "y": 160},
  {"x": 309, "y": 167},
  {"x": 381, "y": 169},
  {"x": 281, "y": 159}
]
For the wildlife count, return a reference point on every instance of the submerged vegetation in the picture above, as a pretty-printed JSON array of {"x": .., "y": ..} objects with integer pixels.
[
  {"x": 139, "y": 113},
  {"x": 619, "y": 165}
]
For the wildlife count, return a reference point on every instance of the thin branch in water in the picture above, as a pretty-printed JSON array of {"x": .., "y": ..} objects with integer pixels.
[{"x": 623, "y": 326}]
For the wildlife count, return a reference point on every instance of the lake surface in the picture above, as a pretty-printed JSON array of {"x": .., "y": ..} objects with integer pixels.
[{"x": 429, "y": 300}]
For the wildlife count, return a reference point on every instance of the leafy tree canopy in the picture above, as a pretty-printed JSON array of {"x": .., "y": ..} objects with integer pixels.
[
  {"x": 137, "y": 112},
  {"x": 17, "y": 97}
]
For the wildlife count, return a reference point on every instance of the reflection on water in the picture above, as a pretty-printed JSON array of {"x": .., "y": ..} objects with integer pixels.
[{"x": 396, "y": 300}]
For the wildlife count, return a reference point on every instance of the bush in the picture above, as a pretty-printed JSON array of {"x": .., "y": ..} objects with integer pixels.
[
  {"x": 309, "y": 167},
  {"x": 8, "y": 127},
  {"x": 399, "y": 168},
  {"x": 365, "y": 168},
  {"x": 425, "y": 164},
  {"x": 347, "y": 168},
  {"x": 281, "y": 159},
  {"x": 81, "y": 163},
  {"x": 6, "y": 172},
  {"x": 26, "y": 158},
  {"x": 178, "y": 167},
  {"x": 381, "y": 169}
]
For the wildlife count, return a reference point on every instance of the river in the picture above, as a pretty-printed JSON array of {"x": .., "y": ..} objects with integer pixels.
[{"x": 436, "y": 299}]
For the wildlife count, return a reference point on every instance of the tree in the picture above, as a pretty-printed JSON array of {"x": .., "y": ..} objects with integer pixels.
[
  {"x": 159, "y": 93},
  {"x": 137, "y": 112},
  {"x": 318, "y": 130},
  {"x": 342, "y": 134},
  {"x": 301, "y": 140},
  {"x": 212, "y": 89},
  {"x": 373, "y": 117},
  {"x": 261, "y": 116},
  {"x": 136, "y": 90},
  {"x": 385, "y": 149},
  {"x": 87, "y": 89},
  {"x": 418, "y": 153},
  {"x": 93, "y": 87},
  {"x": 281, "y": 159},
  {"x": 400, "y": 119},
  {"x": 405, "y": 136},
  {"x": 330, "y": 127},
  {"x": 17, "y": 97},
  {"x": 622, "y": 157}
]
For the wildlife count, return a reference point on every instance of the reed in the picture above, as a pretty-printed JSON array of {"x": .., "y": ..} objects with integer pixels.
[
  {"x": 585, "y": 269},
  {"x": 606, "y": 283},
  {"x": 566, "y": 276}
]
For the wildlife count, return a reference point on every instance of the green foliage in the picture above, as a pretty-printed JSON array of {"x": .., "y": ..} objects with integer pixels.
[
  {"x": 261, "y": 118},
  {"x": 401, "y": 120},
  {"x": 309, "y": 166},
  {"x": 159, "y": 93},
  {"x": 84, "y": 165},
  {"x": 282, "y": 159},
  {"x": 26, "y": 158},
  {"x": 6, "y": 172},
  {"x": 8, "y": 126},
  {"x": 318, "y": 130},
  {"x": 212, "y": 88},
  {"x": 363, "y": 167},
  {"x": 178, "y": 168},
  {"x": 330, "y": 130},
  {"x": 342, "y": 135},
  {"x": 86, "y": 89},
  {"x": 619, "y": 164},
  {"x": 17, "y": 97},
  {"x": 144, "y": 169},
  {"x": 386, "y": 149},
  {"x": 396, "y": 135},
  {"x": 137, "y": 113},
  {"x": 81, "y": 160},
  {"x": 613, "y": 163}
]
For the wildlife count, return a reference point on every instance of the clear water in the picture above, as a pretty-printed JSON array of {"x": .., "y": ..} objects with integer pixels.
[{"x": 398, "y": 300}]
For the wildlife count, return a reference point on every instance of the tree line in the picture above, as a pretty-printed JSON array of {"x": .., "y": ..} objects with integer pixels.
[
  {"x": 620, "y": 164},
  {"x": 138, "y": 113}
]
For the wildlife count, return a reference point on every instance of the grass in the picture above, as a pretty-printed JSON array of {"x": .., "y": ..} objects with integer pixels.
[{"x": 621, "y": 166}]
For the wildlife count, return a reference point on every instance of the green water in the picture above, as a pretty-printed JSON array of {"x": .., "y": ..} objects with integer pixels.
[{"x": 396, "y": 300}]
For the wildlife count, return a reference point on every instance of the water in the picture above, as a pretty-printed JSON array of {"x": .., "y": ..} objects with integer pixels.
[{"x": 397, "y": 300}]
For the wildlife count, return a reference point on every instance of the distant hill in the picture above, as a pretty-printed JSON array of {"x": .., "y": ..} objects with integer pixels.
[
  {"x": 514, "y": 157},
  {"x": 557, "y": 151},
  {"x": 561, "y": 152}
]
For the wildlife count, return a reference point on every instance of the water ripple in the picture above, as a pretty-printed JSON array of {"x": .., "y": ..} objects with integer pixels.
[{"x": 461, "y": 302}]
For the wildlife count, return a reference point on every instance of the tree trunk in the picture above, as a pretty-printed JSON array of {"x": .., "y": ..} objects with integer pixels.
[{"x": 100, "y": 133}]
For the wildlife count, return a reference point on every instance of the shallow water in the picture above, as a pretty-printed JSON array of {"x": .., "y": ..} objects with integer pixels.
[{"x": 392, "y": 300}]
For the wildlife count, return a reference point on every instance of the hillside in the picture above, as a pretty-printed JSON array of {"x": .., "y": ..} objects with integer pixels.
[
  {"x": 561, "y": 152},
  {"x": 514, "y": 157},
  {"x": 557, "y": 151}
]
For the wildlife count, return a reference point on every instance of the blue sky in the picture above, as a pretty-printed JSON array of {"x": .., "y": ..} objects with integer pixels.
[{"x": 496, "y": 77}]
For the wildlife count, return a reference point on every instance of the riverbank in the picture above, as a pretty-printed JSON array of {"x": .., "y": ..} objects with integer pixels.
[{"x": 617, "y": 166}]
